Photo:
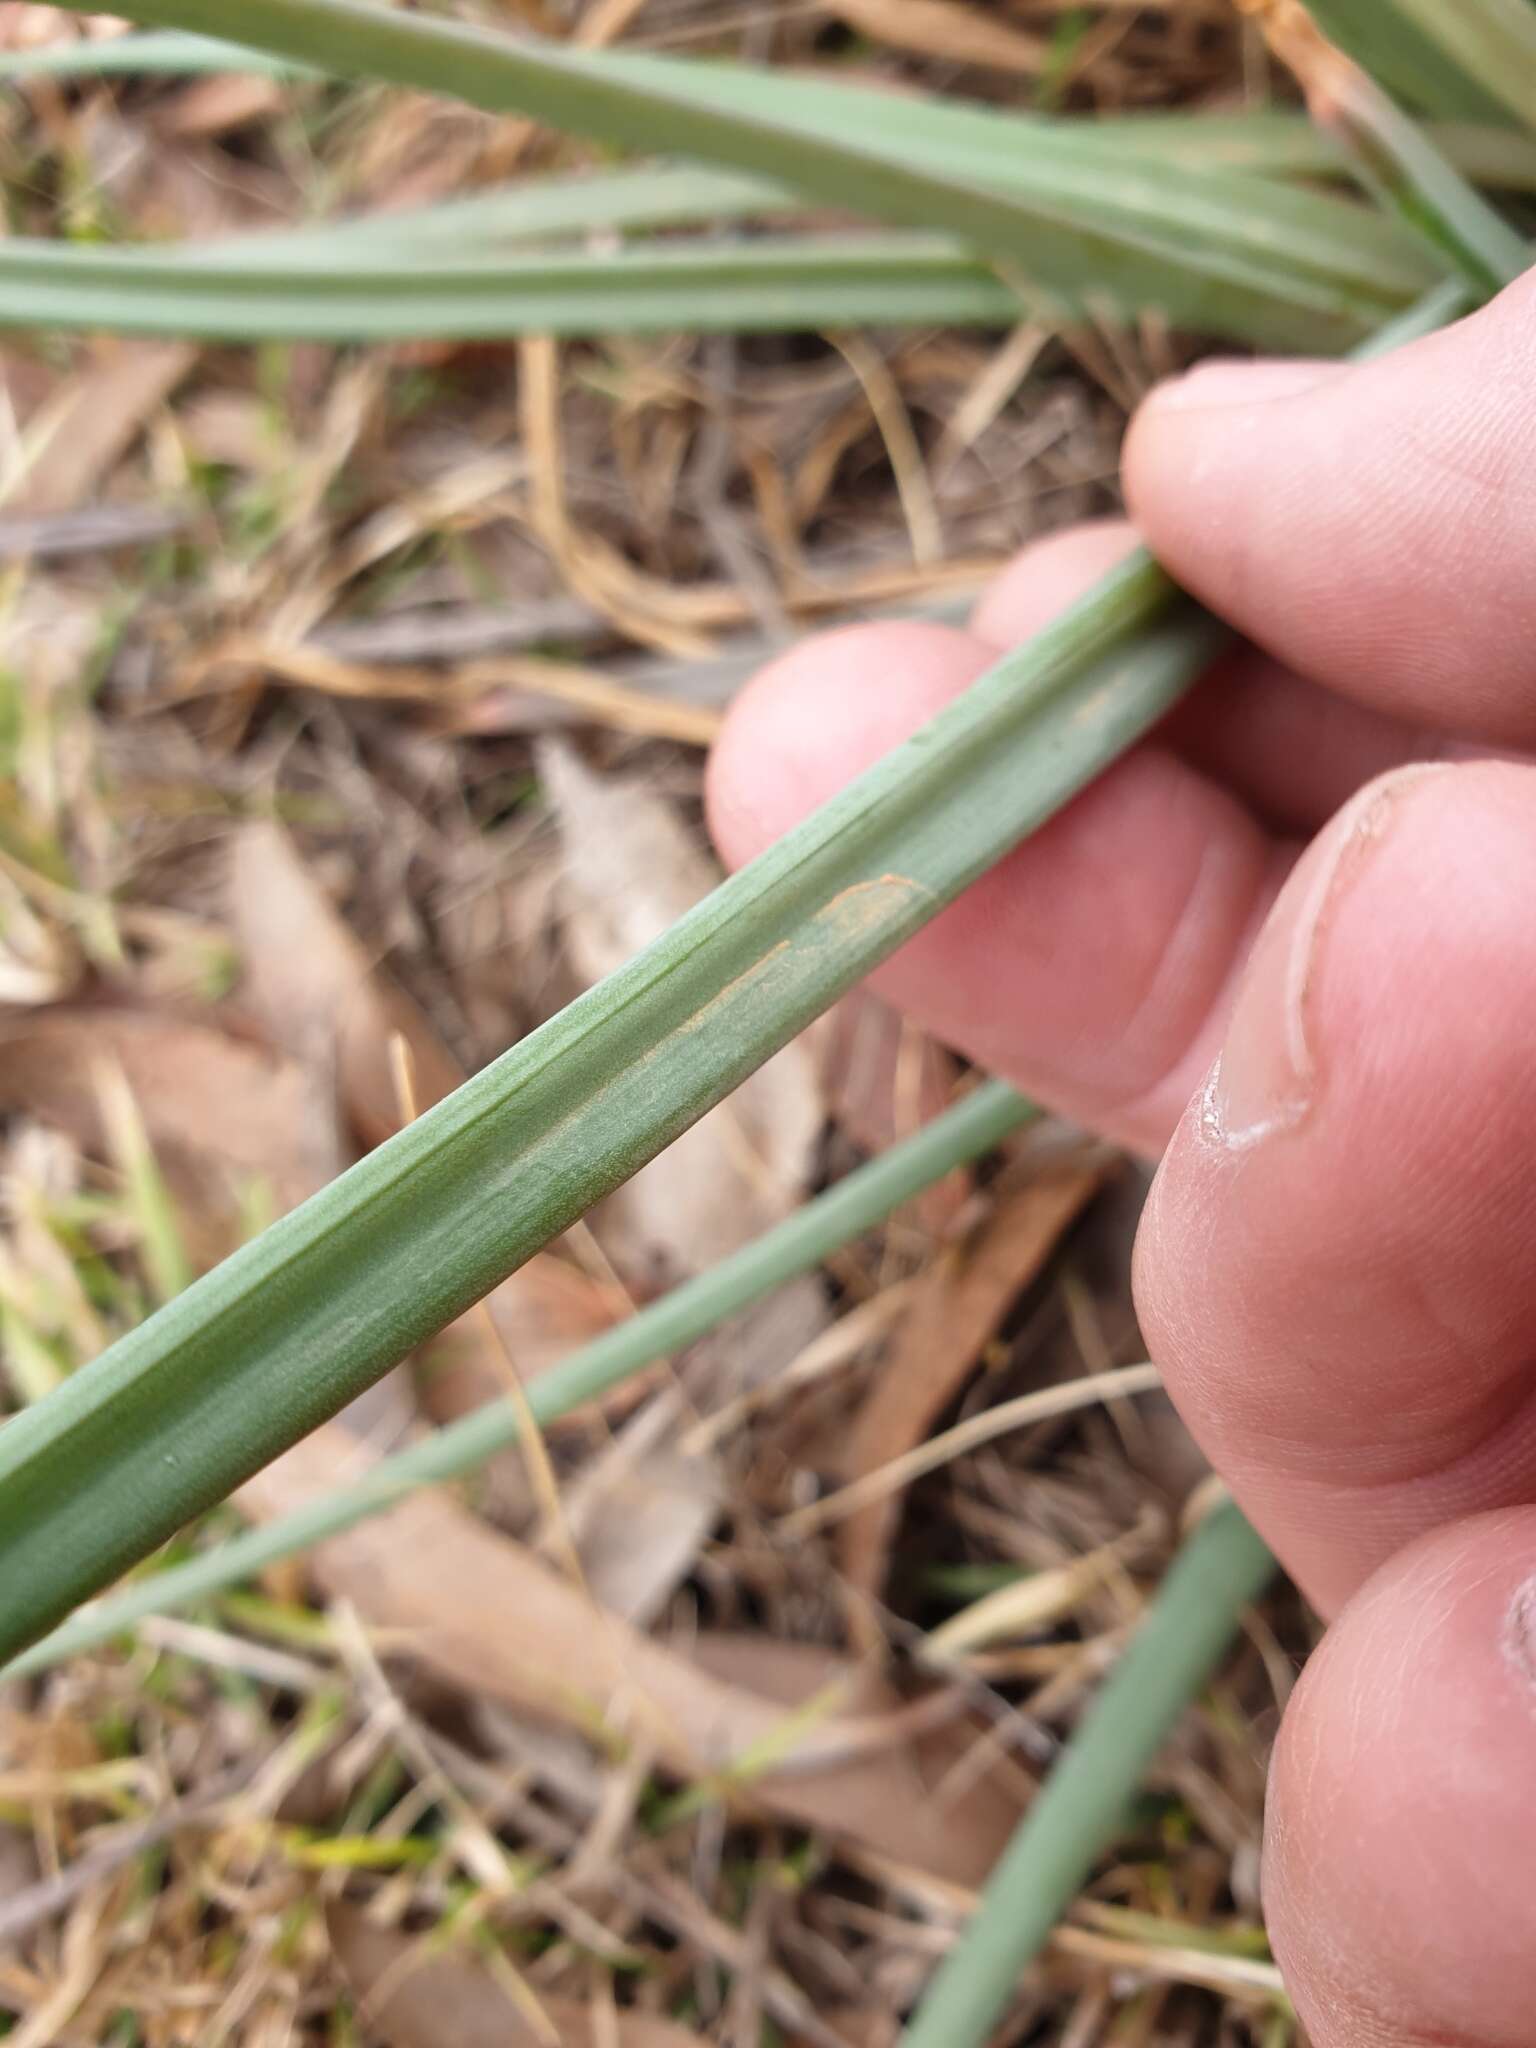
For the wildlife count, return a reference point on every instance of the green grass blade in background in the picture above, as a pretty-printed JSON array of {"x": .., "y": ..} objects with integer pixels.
[
  {"x": 765, "y": 284},
  {"x": 1394, "y": 47},
  {"x": 286, "y": 1332},
  {"x": 1493, "y": 42},
  {"x": 1411, "y": 177},
  {"x": 1067, "y": 220},
  {"x": 372, "y": 291},
  {"x": 1266, "y": 141},
  {"x": 1276, "y": 143},
  {"x": 171, "y": 54},
  {"x": 802, "y": 1241},
  {"x": 550, "y": 210},
  {"x": 1223, "y": 1569},
  {"x": 1065, "y": 171},
  {"x": 1308, "y": 234}
]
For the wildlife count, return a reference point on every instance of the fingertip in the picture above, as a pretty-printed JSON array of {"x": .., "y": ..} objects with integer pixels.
[
  {"x": 1199, "y": 443},
  {"x": 821, "y": 713},
  {"x": 1239, "y": 381},
  {"x": 1047, "y": 576}
]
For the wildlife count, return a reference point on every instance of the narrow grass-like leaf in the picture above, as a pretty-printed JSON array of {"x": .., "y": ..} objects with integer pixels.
[
  {"x": 1065, "y": 171},
  {"x": 780, "y": 283},
  {"x": 1038, "y": 200},
  {"x": 1401, "y": 54},
  {"x": 552, "y": 210},
  {"x": 1271, "y": 142},
  {"x": 283, "y": 1334},
  {"x": 171, "y": 55},
  {"x": 1262, "y": 140},
  {"x": 832, "y": 1220},
  {"x": 1492, "y": 41},
  {"x": 432, "y": 271},
  {"x": 1411, "y": 175},
  {"x": 1221, "y": 1570},
  {"x": 1399, "y": 163},
  {"x": 1267, "y": 141}
]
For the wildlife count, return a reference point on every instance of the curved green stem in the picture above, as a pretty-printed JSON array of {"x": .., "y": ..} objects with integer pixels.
[{"x": 1082, "y": 1806}]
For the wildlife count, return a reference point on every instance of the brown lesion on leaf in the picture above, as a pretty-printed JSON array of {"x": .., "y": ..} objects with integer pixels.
[{"x": 861, "y": 909}]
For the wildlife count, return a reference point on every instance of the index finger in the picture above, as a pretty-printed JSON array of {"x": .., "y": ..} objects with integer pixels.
[{"x": 1372, "y": 525}]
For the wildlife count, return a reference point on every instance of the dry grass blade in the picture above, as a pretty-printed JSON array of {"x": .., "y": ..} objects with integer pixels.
[
  {"x": 1243, "y": 1977},
  {"x": 1034, "y": 1603},
  {"x": 992, "y": 1423}
]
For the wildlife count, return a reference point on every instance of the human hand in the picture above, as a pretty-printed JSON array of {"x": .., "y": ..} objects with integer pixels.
[{"x": 1275, "y": 942}]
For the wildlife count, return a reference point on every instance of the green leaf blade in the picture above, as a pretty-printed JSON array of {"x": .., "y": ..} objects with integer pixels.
[
  {"x": 1035, "y": 199},
  {"x": 282, "y": 1335},
  {"x": 832, "y": 1220},
  {"x": 1416, "y": 49}
]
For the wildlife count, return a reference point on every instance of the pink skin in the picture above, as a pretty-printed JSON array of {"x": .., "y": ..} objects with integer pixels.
[{"x": 1335, "y": 1272}]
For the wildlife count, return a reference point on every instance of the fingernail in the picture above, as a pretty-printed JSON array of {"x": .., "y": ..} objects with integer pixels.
[
  {"x": 1230, "y": 381},
  {"x": 1266, "y": 1078}
]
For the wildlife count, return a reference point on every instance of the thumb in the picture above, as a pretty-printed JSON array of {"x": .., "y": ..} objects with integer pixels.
[{"x": 1374, "y": 525}]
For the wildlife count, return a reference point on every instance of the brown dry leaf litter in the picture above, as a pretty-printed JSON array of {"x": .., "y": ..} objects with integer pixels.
[
  {"x": 476, "y": 1609},
  {"x": 421, "y": 1998},
  {"x": 949, "y": 30},
  {"x": 958, "y": 1308},
  {"x": 225, "y": 1116},
  {"x": 276, "y": 632},
  {"x": 318, "y": 994}
]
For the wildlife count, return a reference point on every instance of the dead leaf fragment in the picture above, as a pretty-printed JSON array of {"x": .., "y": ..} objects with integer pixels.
[
  {"x": 884, "y": 1079},
  {"x": 96, "y": 419},
  {"x": 320, "y": 994},
  {"x": 959, "y": 1305},
  {"x": 948, "y": 29},
  {"x": 218, "y": 1111},
  {"x": 419, "y": 1998},
  {"x": 828, "y": 1749},
  {"x": 640, "y": 1513},
  {"x": 213, "y": 106}
]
